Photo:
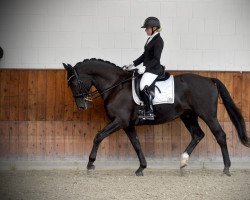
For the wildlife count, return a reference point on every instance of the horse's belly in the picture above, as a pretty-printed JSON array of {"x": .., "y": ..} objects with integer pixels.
[{"x": 165, "y": 113}]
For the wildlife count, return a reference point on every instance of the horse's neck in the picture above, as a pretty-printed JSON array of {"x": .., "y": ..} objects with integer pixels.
[
  {"x": 106, "y": 77},
  {"x": 103, "y": 83}
]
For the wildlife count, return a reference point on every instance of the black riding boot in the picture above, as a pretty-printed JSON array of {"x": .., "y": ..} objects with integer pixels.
[{"x": 147, "y": 99}]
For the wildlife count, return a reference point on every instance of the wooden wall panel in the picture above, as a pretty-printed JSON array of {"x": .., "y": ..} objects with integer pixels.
[
  {"x": 23, "y": 95},
  {"x": 5, "y": 95},
  {"x": 149, "y": 141},
  {"x": 39, "y": 120},
  {"x": 50, "y": 139},
  {"x": 246, "y": 96},
  {"x": 59, "y": 140},
  {"x": 41, "y": 139},
  {"x": 158, "y": 141},
  {"x": 69, "y": 139},
  {"x": 32, "y": 140},
  {"x": 32, "y": 95},
  {"x": 78, "y": 139},
  {"x": 113, "y": 144},
  {"x": 51, "y": 95},
  {"x": 13, "y": 139},
  {"x": 41, "y": 95},
  {"x": 59, "y": 95},
  {"x": 23, "y": 140},
  {"x": 167, "y": 139},
  {"x": 14, "y": 95},
  {"x": 4, "y": 140}
]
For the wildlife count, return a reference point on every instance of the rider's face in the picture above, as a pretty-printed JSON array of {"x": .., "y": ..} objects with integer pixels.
[{"x": 148, "y": 30}]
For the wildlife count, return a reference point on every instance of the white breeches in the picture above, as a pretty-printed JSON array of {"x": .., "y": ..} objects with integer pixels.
[{"x": 147, "y": 79}]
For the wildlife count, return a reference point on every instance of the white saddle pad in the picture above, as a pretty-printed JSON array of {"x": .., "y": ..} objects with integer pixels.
[{"x": 165, "y": 96}]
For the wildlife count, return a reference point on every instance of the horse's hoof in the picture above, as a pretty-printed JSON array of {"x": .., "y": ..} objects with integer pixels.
[
  {"x": 139, "y": 173},
  {"x": 90, "y": 167},
  {"x": 226, "y": 171}
]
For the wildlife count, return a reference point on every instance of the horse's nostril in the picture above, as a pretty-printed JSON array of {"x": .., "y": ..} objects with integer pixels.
[{"x": 80, "y": 106}]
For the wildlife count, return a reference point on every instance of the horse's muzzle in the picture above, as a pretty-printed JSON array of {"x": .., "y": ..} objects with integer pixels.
[{"x": 84, "y": 104}]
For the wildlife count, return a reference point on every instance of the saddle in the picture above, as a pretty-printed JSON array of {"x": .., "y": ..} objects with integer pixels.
[{"x": 163, "y": 77}]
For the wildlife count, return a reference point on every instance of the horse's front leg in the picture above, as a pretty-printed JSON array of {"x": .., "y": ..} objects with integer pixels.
[
  {"x": 131, "y": 133},
  {"x": 109, "y": 129}
]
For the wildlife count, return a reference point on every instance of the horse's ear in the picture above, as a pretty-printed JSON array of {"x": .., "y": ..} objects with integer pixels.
[
  {"x": 68, "y": 67},
  {"x": 65, "y": 66}
]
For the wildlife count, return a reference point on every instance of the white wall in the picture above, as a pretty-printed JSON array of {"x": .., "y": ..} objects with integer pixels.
[{"x": 198, "y": 34}]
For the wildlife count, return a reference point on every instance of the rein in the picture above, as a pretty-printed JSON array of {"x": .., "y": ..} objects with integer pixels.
[
  {"x": 110, "y": 88},
  {"x": 89, "y": 96}
]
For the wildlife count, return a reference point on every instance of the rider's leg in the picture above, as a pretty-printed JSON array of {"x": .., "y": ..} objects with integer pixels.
[
  {"x": 147, "y": 98},
  {"x": 147, "y": 79},
  {"x": 146, "y": 82}
]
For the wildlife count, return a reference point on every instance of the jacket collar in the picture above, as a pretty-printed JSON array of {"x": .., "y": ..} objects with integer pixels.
[{"x": 152, "y": 37}]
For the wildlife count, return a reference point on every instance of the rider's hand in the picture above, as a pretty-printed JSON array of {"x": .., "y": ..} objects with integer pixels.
[
  {"x": 141, "y": 69},
  {"x": 129, "y": 67}
]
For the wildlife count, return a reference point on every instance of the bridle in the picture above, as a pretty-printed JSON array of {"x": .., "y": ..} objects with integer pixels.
[
  {"x": 89, "y": 96},
  {"x": 83, "y": 91}
]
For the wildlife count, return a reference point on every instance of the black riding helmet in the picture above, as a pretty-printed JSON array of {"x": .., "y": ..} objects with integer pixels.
[{"x": 151, "y": 22}]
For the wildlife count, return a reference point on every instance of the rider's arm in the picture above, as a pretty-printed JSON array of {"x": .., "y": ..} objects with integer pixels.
[{"x": 139, "y": 60}]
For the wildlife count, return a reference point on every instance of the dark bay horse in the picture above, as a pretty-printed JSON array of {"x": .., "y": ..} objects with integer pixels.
[
  {"x": 1, "y": 53},
  {"x": 195, "y": 96}
]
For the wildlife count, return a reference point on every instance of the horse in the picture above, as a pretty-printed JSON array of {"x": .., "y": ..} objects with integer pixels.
[
  {"x": 195, "y": 96},
  {"x": 1, "y": 53}
]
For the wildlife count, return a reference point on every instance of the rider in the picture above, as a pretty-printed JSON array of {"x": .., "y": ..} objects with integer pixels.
[{"x": 151, "y": 62}]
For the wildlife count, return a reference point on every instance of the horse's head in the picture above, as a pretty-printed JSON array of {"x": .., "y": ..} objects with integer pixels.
[{"x": 79, "y": 87}]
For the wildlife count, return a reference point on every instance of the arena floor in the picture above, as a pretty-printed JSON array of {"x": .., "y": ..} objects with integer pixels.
[{"x": 123, "y": 184}]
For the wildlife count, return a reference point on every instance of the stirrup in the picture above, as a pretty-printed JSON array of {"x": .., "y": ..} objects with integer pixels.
[{"x": 145, "y": 116}]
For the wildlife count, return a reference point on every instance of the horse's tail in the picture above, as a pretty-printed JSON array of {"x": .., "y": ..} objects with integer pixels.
[{"x": 234, "y": 112}]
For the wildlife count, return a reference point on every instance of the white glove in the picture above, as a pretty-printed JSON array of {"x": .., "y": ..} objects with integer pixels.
[
  {"x": 141, "y": 69},
  {"x": 129, "y": 67}
]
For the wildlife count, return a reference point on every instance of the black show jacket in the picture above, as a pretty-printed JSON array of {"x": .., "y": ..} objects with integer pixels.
[{"x": 152, "y": 55}]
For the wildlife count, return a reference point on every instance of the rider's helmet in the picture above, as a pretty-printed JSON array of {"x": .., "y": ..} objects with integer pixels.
[{"x": 151, "y": 22}]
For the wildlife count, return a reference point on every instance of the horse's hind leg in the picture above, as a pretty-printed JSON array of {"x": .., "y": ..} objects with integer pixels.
[
  {"x": 191, "y": 122},
  {"x": 131, "y": 133},
  {"x": 220, "y": 136}
]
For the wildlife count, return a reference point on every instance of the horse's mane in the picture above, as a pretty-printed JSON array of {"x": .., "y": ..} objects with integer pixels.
[{"x": 100, "y": 60}]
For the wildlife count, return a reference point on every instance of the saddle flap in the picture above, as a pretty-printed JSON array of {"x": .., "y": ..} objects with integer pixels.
[
  {"x": 137, "y": 81},
  {"x": 162, "y": 91}
]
